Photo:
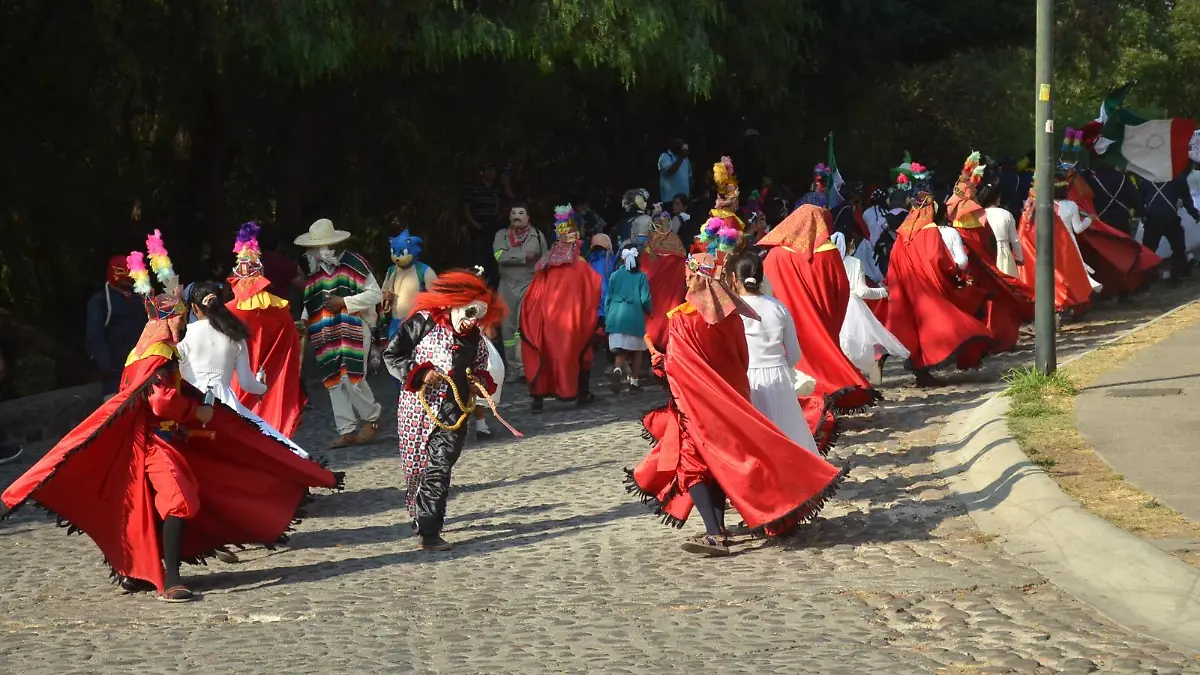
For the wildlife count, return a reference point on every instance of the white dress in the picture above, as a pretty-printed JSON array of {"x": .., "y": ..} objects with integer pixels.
[
  {"x": 1008, "y": 244},
  {"x": 863, "y": 337},
  {"x": 1068, "y": 211},
  {"x": 774, "y": 351},
  {"x": 208, "y": 360}
]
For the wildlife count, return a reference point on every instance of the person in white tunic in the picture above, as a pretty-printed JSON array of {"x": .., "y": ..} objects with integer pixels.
[
  {"x": 774, "y": 351},
  {"x": 1068, "y": 211},
  {"x": 864, "y": 340},
  {"x": 214, "y": 349},
  {"x": 1004, "y": 227}
]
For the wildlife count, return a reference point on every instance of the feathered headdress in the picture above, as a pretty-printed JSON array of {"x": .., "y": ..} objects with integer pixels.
[
  {"x": 720, "y": 239},
  {"x": 166, "y": 304},
  {"x": 659, "y": 217},
  {"x": 247, "y": 279},
  {"x": 637, "y": 199},
  {"x": 820, "y": 178},
  {"x": 564, "y": 220},
  {"x": 727, "y": 184},
  {"x": 1072, "y": 144},
  {"x": 249, "y": 255}
]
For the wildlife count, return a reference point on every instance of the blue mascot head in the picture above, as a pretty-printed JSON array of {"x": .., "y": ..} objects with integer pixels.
[{"x": 405, "y": 249}]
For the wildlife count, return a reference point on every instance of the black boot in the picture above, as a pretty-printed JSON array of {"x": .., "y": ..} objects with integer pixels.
[
  {"x": 172, "y": 543},
  {"x": 434, "y": 542}
]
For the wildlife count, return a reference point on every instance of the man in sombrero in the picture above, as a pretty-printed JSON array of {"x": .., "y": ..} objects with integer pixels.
[{"x": 339, "y": 308}]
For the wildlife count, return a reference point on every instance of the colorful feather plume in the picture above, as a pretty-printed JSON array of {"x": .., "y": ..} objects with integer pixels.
[
  {"x": 140, "y": 275},
  {"x": 246, "y": 246},
  {"x": 160, "y": 262}
]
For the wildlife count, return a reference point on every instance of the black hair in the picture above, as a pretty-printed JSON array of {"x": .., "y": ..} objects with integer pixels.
[
  {"x": 683, "y": 199},
  {"x": 748, "y": 269},
  {"x": 216, "y": 312},
  {"x": 1060, "y": 189},
  {"x": 898, "y": 199},
  {"x": 989, "y": 194},
  {"x": 637, "y": 262}
]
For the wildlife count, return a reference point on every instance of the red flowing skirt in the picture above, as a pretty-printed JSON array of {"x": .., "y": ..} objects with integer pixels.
[
  {"x": 667, "y": 275},
  {"x": 558, "y": 320},
  {"x": 928, "y": 311},
  {"x": 1009, "y": 301},
  {"x": 238, "y": 487},
  {"x": 274, "y": 348},
  {"x": 1072, "y": 290},
  {"x": 817, "y": 292},
  {"x": 710, "y": 432}
]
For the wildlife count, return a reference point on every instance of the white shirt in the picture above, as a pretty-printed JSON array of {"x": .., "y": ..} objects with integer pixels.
[
  {"x": 1004, "y": 226},
  {"x": 207, "y": 359},
  {"x": 876, "y": 220},
  {"x": 772, "y": 340},
  {"x": 953, "y": 241},
  {"x": 1069, "y": 212}
]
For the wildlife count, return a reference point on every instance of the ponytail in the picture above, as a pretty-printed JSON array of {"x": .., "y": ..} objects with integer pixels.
[{"x": 207, "y": 296}]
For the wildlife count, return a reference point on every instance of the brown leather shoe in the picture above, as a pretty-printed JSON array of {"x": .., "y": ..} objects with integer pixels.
[
  {"x": 368, "y": 432},
  {"x": 343, "y": 441}
]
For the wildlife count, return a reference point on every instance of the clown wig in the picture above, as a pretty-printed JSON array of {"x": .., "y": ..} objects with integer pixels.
[{"x": 458, "y": 288}]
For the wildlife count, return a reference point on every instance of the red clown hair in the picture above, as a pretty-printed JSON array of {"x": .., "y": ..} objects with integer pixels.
[{"x": 458, "y": 288}]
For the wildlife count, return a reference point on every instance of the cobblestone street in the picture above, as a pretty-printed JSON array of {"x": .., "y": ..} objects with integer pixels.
[{"x": 557, "y": 569}]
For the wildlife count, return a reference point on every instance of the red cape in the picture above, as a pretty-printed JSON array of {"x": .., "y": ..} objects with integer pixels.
[
  {"x": 1122, "y": 264},
  {"x": 274, "y": 347},
  {"x": 667, "y": 275},
  {"x": 772, "y": 482},
  {"x": 927, "y": 310},
  {"x": 1072, "y": 290},
  {"x": 250, "y": 485},
  {"x": 817, "y": 293},
  {"x": 558, "y": 319},
  {"x": 1010, "y": 301}
]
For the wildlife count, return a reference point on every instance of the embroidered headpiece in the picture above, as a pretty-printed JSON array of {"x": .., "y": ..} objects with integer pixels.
[
  {"x": 564, "y": 220},
  {"x": 249, "y": 255},
  {"x": 720, "y": 239},
  {"x": 727, "y": 184},
  {"x": 660, "y": 218}
]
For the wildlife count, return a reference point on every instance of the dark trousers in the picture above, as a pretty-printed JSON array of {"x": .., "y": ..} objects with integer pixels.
[
  {"x": 445, "y": 447},
  {"x": 1167, "y": 225},
  {"x": 110, "y": 383}
]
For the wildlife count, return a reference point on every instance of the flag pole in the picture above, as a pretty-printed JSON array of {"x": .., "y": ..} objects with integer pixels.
[{"x": 1044, "y": 328}]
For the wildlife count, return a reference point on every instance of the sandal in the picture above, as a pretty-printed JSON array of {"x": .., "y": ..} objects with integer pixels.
[
  {"x": 226, "y": 556},
  {"x": 706, "y": 544},
  {"x": 343, "y": 441},
  {"x": 177, "y": 594}
]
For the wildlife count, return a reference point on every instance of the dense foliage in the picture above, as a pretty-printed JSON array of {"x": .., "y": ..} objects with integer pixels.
[{"x": 196, "y": 115}]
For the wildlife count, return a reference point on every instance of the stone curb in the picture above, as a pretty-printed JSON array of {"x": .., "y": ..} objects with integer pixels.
[{"x": 1130, "y": 580}]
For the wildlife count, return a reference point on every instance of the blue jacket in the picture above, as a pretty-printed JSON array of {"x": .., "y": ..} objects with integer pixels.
[
  {"x": 627, "y": 304},
  {"x": 603, "y": 263}
]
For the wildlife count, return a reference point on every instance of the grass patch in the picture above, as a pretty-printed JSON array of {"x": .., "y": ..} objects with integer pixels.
[{"x": 1041, "y": 418}]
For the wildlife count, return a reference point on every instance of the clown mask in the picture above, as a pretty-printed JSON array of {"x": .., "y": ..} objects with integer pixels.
[
  {"x": 466, "y": 318},
  {"x": 518, "y": 217}
]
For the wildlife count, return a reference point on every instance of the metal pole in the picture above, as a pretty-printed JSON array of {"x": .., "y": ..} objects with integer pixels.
[{"x": 1044, "y": 181}]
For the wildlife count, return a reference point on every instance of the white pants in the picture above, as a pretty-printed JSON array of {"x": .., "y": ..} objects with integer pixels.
[{"x": 352, "y": 402}]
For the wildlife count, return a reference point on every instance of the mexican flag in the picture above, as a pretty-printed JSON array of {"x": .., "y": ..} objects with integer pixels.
[
  {"x": 835, "y": 179},
  {"x": 1156, "y": 150}
]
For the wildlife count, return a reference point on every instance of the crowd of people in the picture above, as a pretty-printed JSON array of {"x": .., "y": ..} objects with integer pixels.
[{"x": 766, "y": 320}]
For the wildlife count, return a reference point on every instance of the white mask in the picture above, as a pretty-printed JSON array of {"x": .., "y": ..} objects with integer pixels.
[
  {"x": 467, "y": 317},
  {"x": 321, "y": 257}
]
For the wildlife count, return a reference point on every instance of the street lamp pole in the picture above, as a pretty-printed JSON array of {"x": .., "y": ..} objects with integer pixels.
[{"x": 1043, "y": 177}]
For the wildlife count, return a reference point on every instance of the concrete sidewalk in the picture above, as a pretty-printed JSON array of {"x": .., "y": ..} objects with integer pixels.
[{"x": 1142, "y": 418}]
